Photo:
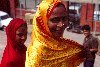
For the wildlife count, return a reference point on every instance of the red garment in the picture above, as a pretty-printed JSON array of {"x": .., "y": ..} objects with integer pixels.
[{"x": 14, "y": 55}]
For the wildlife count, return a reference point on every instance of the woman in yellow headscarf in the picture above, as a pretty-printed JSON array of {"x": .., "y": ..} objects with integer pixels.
[{"x": 48, "y": 48}]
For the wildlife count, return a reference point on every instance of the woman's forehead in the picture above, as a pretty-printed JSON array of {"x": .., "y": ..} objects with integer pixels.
[
  {"x": 22, "y": 28},
  {"x": 59, "y": 11}
]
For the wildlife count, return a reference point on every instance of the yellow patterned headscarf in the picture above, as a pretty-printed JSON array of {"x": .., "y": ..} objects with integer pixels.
[{"x": 46, "y": 51}]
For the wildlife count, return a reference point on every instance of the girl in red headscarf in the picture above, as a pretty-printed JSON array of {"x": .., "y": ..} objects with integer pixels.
[{"x": 15, "y": 51}]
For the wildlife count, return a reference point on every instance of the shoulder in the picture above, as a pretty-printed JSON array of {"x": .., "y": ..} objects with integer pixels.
[{"x": 94, "y": 38}]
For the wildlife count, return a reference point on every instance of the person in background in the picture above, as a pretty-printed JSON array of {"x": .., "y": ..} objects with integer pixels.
[
  {"x": 48, "y": 48},
  {"x": 91, "y": 44},
  {"x": 15, "y": 50}
]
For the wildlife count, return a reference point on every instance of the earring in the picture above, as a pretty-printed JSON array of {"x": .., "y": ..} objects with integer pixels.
[{"x": 63, "y": 24}]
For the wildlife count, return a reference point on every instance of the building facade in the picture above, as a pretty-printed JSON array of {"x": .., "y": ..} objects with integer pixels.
[{"x": 18, "y": 8}]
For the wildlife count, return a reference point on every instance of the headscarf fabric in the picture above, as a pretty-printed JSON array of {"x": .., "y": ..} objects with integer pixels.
[
  {"x": 12, "y": 57},
  {"x": 46, "y": 51}
]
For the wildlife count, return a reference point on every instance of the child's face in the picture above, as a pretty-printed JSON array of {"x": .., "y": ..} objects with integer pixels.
[{"x": 21, "y": 35}]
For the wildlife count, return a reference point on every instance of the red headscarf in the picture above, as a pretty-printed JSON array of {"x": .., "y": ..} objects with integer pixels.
[{"x": 12, "y": 57}]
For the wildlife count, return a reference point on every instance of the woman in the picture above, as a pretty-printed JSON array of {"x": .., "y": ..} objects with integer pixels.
[
  {"x": 48, "y": 48},
  {"x": 15, "y": 51}
]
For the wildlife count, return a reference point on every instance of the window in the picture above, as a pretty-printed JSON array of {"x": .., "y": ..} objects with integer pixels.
[
  {"x": 27, "y": 4},
  {"x": 4, "y": 17},
  {"x": 72, "y": 11},
  {"x": 96, "y": 16}
]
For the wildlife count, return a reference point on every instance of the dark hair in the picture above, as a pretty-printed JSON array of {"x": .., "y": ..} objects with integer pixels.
[
  {"x": 60, "y": 4},
  {"x": 86, "y": 27}
]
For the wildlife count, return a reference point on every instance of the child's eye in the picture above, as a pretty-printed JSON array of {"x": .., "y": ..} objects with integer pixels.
[{"x": 20, "y": 34}]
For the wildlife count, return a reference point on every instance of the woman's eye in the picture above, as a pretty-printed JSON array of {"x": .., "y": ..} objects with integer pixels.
[
  {"x": 20, "y": 34},
  {"x": 55, "y": 20},
  {"x": 65, "y": 18}
]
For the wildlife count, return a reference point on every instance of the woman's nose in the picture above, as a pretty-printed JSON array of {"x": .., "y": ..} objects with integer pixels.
[
  {"x": 23, "y": 37},
  {"x": 60, "y": 24}
]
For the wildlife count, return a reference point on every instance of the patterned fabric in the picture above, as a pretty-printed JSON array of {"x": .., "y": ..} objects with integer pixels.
[{"x": 46, "y": 51}]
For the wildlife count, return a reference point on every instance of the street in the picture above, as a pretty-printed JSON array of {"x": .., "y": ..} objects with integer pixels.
[{"x": 73, "y": 36}]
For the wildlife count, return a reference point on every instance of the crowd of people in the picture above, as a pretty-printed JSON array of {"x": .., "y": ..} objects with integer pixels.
[{"x": 47, "y": 48}]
